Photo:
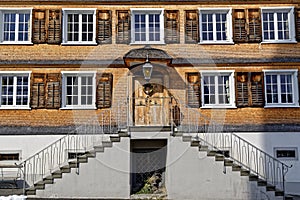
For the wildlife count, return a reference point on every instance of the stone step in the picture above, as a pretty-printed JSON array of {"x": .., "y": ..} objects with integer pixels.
[
  {"x": 279, "y": 193},
  {"x": 177, "y": 133},
  {"x": 73, "y": 164},
  {"x": 228, "y": 162},
  {"x": 123, "y": 134},
  {"x": 186, "y": 138},
  {"x": 106, "y": 143},
  {"x": 195, "y": 143},
  {"x": 90, "y": 154},
  {"x": 150, "y": 129},
  {"x": 288, "y": 197},
  {"x": 245, "y": 172},
  {"x": 270, "y": 187},
  {"x": 261, "y": 182},
  {"x": 65, "y": 169},
  {"x": 30, "y": 192},
  {"x": 236, "y": 167},
  {"x": 48, "y": 181},
  {"x": 219, "y": 157},
  {"x": 203, "y": 148},
  {"x": 211, "y": 153},
  {"x": 82, "y": 159},
  {"x": 57, "y": 174},
  {"x": 115, "y": 138},
  {"x": 39, "y": 186},
  {"x": 253, "y": 177},
  {"x": 99, "y": 148}
]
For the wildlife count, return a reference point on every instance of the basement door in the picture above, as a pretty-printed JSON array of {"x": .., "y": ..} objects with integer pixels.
[{"x": 150, "y": 103}]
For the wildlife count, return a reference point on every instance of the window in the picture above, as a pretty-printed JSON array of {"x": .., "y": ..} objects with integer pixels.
[
  {"x": 79, "y": 26},
  {"x": 147, "y": 26},
  {"x": 79, "y": 90},
  {"x": 15, "y": 26},
  {"x": 215, "y": 26},
  {"x": 278, "y": 24},
  {"x": 281, "y": 88},
  {"x": 286, "y": 153},
  {"x": 14, "y": 90},
  {"x": 9, "y": 156},
  {"x": 217, "y": 89}
]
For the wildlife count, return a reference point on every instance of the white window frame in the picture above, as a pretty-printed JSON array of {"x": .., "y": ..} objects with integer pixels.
[
  {"x": 291, "y": 21},
  {"x": 287, "y": 149},
  {"x": 11, "y": 152},
  {"x": 15, "y": 74},
  {"x": 67, "y": 11},
  {"x": 147, "y": 11},
  {"x": 64, "y": 92},
  {"x": 214, "y": 11},
  {"x": 17, "y": 11},
  {"x": 217, "y": 73},
  {"x": 294, "y": 73}
]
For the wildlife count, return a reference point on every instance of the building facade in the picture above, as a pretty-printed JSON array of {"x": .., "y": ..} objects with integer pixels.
[{"x": 169, "y": 99}]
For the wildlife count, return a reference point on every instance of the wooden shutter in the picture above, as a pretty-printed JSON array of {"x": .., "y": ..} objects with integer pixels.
[
  {"x": 104, "y": 27},
  {"x": 254, "y": 25},
  {"x": 298, "y": 24},
  {"x": 191, "y": 26},
  {"x": 53, "y": 90},
  {"x": 242, "y": 89},
  {"x": 104, "y": 90},
  {"x": 38, "y": 90},
  {"x": 257, "y": 97},
  {"x": 123, "y": 27},
  {"x": 193, "y": 90},
  {"x": 239, "y": 24},
  {"x": 171, "y": 26},
  {"x": 54, "y": 27},
  {"x": 39, "y": 26}
]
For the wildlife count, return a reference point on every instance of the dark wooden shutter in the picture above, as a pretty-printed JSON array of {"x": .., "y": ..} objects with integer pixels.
[
  {"x": 39, "y": 26},
  {"x": 54, "y": 27},
  {"x": 104, "y": 27},
  {"x": 254, "y": 25},
  {"x": 191, "y": 26},
  {"x": 53, "y": 90},
  {"x": 242, "y": 89},
  {"x": 298, "y": 24},
  {"x": 257, "y": 95},
  {"x": 104, "y": 90},
  {"x": 193, "y": 90},
  {"x": 239, "y": 24},
  {"x": 123, "y": 27},
  {"x": 171, "y": 26},
  {"x": 38, "y": 90}
]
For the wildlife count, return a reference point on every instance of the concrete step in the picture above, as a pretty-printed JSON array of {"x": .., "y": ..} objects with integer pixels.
[
  {"x": 279, "y": 193},
  {"x": 90, "y": 154},
  {"x": 228, "y": 162},
  {"x": 115, "y": 138},
  {"x": 57, "y": 174},
  {"x": 288, "y": 197},
  {"x": 236, "y": 167},
  {"x": 82, "y": 159},
  {"x": 219, "y": 157},
  {"x": 270, "y": 187},
  {"x": 73, "y": 164},
  {"x": 123, "y": 134},
  {"x": 203, "y": 148},
  {"x": 245, "y": 172},
  {"x": 177, "y": 133},
  {"x": 99, "y": 148},
  {"x": 39, "y": 186},
  {"x": 48, "y": 181},
  {"x": 195, "y": 143},
  {"x": 253, "y": 177},
  {"x": 106, "y": 143},
  {"x": 261, "y": 182},
  {"x": 30, "y": 192},
  {"x": 150, "y": 129},
  {"x": 211, "y": 153},
  {"x": 65, "y": 169},
  {"x": 186, "y": 138}
]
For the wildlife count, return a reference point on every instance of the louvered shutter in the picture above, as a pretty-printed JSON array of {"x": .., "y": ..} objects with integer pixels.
[
  {"x": 254, "y": 25},
  {"x": 39, "y": 26},
  {"x": 193, "y": 90},
  {"x": 53, "y": 90},
  {"x": 104, "y": 90},
  {"x": 239, "y": 24},
  {"x": 171, "y": 26},
  {"x": 54, "y": 27},
  {"x": 104, "y": 32},
  {"x": 191, "y": 27},
  {"x": 242, "y": 89},
  {"x": 257, "y": 95},
  {"x": 123, "y": 27},
  {"x": 298, "y": 24},
  {"x": 38, "y": 90}
]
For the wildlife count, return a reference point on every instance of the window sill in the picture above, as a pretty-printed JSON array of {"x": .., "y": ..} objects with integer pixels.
[
  {"x": 279, "y": 42},
  {"x": 79, "y": 43},
  {"x": 282, "y": 106},
  {"x": 14, "y": 108},
  {"x": 146, "y": 43},
  {"x": 79, "y": 108},
  {"x": 16, "y": 43},
  {"x": 219, "y": 106},
  {"x": 217, "y": 42}
]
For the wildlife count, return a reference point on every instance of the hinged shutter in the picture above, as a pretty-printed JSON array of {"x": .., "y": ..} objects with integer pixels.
[
  {"x": 104, "y": 27},
  {"x": 123, "y": 27},
  {"x": 54, "y": 27},
  {"x": 191, "y": 26},
  {"x": 242, "y": 88},
  {"x": 39, "y": 26},
  {"x": 298, "y": 24},
  {"x": 193, "y": 90},
  {"x": 53, "y": 88},
  {"x": 254, "y": 25},
  {"x": 38, "y": 90},
  {"x": 172, "y": 26},
  {"x": 104, "y": 90},
  {"x": 239, "y": 24},
  {"x": 257, "y": 89}
]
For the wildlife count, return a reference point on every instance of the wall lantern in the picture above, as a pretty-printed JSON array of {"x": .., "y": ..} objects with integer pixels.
[{"x": 147, "y": 69}]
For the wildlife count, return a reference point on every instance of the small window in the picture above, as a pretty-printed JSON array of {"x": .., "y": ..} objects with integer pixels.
[
  {"x": 289, "y": 153},
  {"x": 79, "y": 26},
  {"x": 9, "y": 156},
  {"x": 15, "y": 26},
  {"x": 14, "y": 89},
  {"x": 79, "y": 90},
  {"x": 215, "y": 26},
  {"x": 278, "y": 24},
  {"x": 281, "y": 88},
  {"x": 217, "y": 89},
  {"x": 147, "y": 26}
]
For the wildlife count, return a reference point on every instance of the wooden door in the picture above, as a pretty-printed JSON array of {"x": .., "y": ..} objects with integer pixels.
[{"x": 151, "y": 103}]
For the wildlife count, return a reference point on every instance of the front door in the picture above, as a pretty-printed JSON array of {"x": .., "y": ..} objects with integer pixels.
[{"x": 150, "y": 103}]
